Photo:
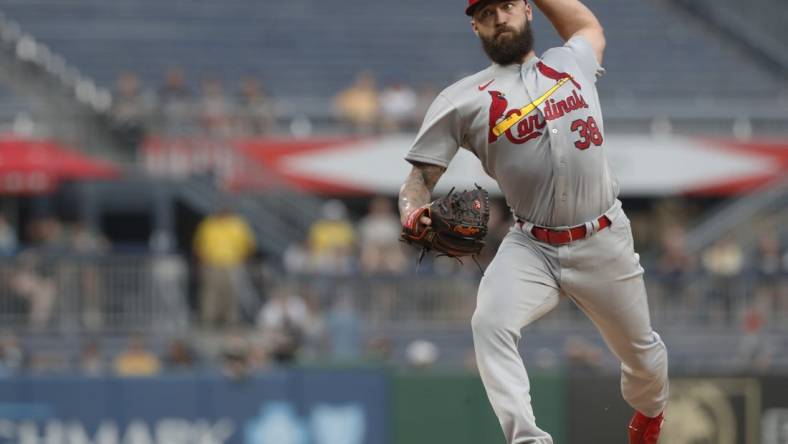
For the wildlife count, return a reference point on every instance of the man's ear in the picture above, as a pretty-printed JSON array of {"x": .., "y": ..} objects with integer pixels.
[
  {"x": 529, "y": 13},
  {"x": 474, "y": 27}
]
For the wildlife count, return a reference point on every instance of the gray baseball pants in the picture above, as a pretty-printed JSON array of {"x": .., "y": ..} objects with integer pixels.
[{"x": 602, "y": 275}]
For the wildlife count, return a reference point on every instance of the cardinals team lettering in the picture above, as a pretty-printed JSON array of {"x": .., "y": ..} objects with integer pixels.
[{"x": 528, "y": 127}]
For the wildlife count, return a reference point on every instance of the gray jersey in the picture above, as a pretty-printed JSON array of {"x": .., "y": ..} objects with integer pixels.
[{"x": 537, "y": 129}]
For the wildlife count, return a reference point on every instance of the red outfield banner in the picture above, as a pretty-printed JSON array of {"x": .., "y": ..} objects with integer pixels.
[
  {"x": 32, "y": 166},
  {"x": 644, "y": 165}
]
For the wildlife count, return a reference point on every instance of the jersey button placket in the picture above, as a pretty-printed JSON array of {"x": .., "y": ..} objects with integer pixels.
[
  {"x": 559, "y": 157},
  {"x": 562, "y": 169}
]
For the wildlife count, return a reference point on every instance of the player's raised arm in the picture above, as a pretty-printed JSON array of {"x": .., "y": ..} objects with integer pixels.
[
  {"x": 417, "y": 189},
  {"x": 571, "y": 18}
]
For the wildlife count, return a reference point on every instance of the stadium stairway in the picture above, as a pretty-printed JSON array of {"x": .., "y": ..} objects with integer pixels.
[
  {"x": 741, "y": 217},
  {"x": 276, "y": 219},
  {"x": 757, "y": 26},
  {"x": 66, "y": 104}
]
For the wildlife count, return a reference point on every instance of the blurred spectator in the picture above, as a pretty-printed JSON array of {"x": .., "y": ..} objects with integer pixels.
[
  {"x": 724, "y": 261},
  {"x": 180, "y": 355},
  {"x": 398, "y": 107},
  {"x": 47, "y": 235},
  {"x": 256, "y": 111},
  {"x": 175, "y": 104},
  {"x": 724, "y": 258},
  {"x": 343, "y": 324},
  {"x": 357, "y": 106},
  {"x": 169, "y": 272},
  {"x": 236, "y": 357},
  {"x": 316, "y": 341},
  {"x": 755, "y": 350},
  {"x": 216, "y": 111},
  {"x": 136, "y": 360},
  {"x": 8, "y": 241},
  {"x": 676, "y": 270},
  {"x": 223, "y": 242},
  {"x": 332, "y": 240},
  {"x": 13, "y": 358},
  {"x": 768, "y": 260},
  {"x": 91, "y": 362},
  {"x": 130, "y": 110},
  {"x": 582, "y": 356},
  {"x": 85, "y": 241},
  {"x": 88, "y": 244},
  {"x": 768, "y": 275},
  {"x": 381, "y": 250},
  {"x": 284, "y": 323},
  {"x": 674, "y": 261},
  {"x": 32, "y": 284}
]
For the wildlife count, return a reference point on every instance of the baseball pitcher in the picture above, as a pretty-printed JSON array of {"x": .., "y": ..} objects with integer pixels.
[{"x": 535, "y": 123}]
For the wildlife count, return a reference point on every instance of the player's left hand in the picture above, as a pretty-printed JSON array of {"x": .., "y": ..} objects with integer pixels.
[{"x": 454, "y": 225}]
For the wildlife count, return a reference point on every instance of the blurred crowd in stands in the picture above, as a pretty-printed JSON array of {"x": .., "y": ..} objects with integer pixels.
[
  {"x": 365, "y": 109},
  {"x": 28, "y": 267},
  {"x": 311, "y": 304},
  {"x": 235, "y": 354},
  {"x": 174, "y": 109}
]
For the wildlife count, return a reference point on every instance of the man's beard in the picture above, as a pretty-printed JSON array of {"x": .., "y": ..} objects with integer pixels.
[{"x": 509, "y": 49}]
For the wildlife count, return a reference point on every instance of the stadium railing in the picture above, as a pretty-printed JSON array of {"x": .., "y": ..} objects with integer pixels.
[{"x": 44, "y": 292}]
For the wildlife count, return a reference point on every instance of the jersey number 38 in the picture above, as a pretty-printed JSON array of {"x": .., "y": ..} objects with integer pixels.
[{"x": 588, "y": 131}]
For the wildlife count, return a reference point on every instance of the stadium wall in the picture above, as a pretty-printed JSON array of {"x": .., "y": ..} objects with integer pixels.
[{"x": 369, "y": 406}]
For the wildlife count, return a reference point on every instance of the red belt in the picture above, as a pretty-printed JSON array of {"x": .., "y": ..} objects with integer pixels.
[{"x": 560, "y": 237}]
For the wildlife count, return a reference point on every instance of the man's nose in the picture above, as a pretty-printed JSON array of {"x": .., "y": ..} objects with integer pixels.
[{"x": 500, "y": 17}]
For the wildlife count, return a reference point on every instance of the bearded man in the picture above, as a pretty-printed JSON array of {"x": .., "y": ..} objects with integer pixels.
[{"x": 535, "y": 123}]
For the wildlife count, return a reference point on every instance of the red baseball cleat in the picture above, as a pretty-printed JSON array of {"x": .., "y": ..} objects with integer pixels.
[{"x": 644, "y": 430}]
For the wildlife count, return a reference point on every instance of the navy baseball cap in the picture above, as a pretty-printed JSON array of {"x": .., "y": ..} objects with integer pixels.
[{"x": 472, "y": 4}]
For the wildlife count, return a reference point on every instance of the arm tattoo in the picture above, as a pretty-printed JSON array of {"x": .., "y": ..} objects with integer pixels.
[{"x": 417, "y": 189}]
